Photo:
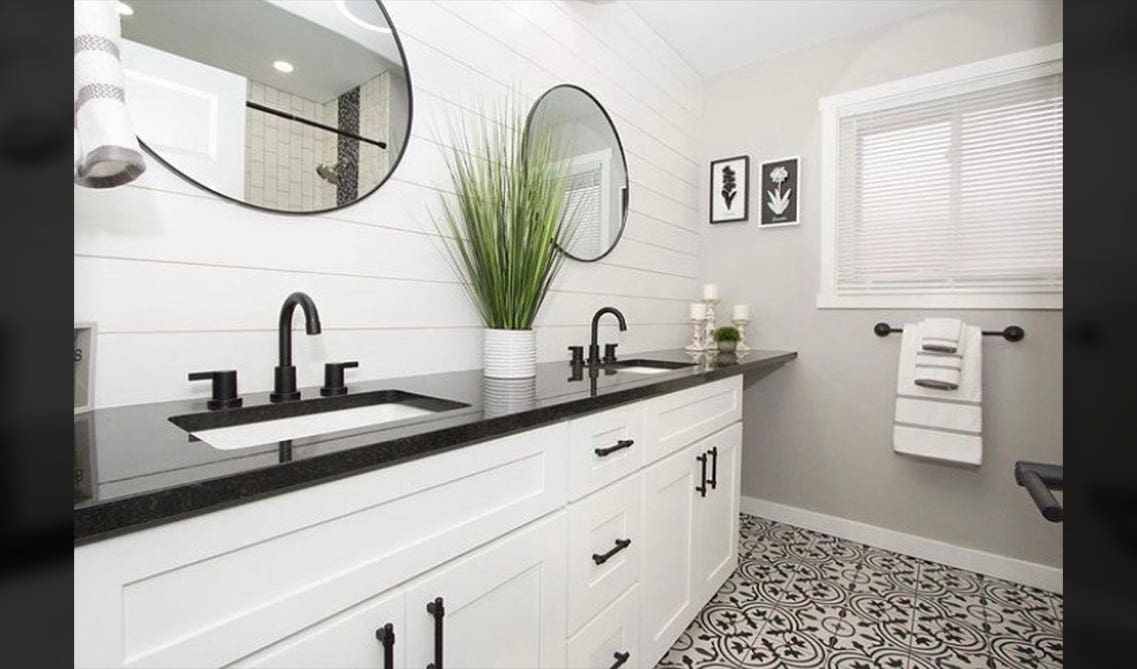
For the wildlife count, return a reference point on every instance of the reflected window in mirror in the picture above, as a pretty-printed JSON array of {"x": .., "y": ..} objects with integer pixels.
[
  {"x": 597, "y": 188},
  {"x": 297, "y": 106}
]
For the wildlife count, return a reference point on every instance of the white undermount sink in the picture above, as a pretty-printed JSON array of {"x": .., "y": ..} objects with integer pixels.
[
  {"x": 639, "y": 369},
  {"x": 259, "y": 426},
  {"x": 646, "y": 366}
]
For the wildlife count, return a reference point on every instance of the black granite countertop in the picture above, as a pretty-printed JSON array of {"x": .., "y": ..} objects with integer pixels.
[{"x": 134, "y": 468}]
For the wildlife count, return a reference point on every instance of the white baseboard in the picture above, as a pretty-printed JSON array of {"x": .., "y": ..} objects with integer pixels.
[{"x": 1000, "y": 566}]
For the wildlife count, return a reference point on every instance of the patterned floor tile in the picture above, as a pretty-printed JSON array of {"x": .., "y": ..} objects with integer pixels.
[{"x": 802, "y": 599}]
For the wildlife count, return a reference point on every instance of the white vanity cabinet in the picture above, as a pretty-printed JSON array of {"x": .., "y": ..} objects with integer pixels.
[{"x": 587, "y": 543}]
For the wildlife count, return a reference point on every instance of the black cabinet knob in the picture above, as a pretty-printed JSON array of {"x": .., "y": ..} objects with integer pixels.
[
  {"x": 224, "y": 388},
  {"x": 609, "y": 354},
  {"x": 577, "y": 355},
  {"x": 333, "y": 378}
]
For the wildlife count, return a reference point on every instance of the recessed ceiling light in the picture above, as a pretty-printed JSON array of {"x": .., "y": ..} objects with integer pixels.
[
  {"x": 282, "y": 66},
  {"x": 366, "y": 25},
  {"x": 125, "y": 9}
]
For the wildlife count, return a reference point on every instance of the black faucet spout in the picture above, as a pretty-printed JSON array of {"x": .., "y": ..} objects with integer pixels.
[
  {"x": 284, "y": 388},
  {"x": 594, "y": 346}
]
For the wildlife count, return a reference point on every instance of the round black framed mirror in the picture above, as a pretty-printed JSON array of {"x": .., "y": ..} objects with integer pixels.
[
  {"x": 598, "y": 171},
  {"x": 288, "y": 106}
]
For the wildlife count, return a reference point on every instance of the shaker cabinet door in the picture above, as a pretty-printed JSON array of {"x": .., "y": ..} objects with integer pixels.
[
  {"x": 501, "y": 606},
  {"x": 716, "y": 518}
]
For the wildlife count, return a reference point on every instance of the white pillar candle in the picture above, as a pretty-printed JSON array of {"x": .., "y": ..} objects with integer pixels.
[
  {"x": 742, "y": 312},
  {"x": 710, "y": 291},
  {"x": 698, "y": 311}
]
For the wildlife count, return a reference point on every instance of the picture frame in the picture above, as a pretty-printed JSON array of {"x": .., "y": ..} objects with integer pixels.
[
  {"x": 83, "y": 356},
  {"x": 730, "y": 190},
  {"x": 779, "y": 183}
]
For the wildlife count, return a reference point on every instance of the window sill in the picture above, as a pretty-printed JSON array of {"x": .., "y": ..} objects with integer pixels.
[{"x": 1041, "y": 301}]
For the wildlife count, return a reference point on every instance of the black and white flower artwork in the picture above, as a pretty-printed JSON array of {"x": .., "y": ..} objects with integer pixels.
[
  {"x": 730, "y": 189},
  {"x": 781, "y": 192}
]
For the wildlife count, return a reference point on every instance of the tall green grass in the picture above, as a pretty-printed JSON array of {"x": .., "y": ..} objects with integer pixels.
[{"x": 500, "y": 232}]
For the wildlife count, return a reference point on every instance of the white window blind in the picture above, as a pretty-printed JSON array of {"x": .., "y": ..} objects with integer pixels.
[{"x": 957, "y": 194}]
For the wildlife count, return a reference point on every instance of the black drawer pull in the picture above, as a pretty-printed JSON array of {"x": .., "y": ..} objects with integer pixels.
[
  {"x": 621, "y": 544},
  {"x": 437, "y": 610},
  {"x": 622, "y": 444},
  {"x": 714, "y": 467},
  {"x": 621, "y": 658},
  {"x": 386, "y": 636},
  {"x": 702, "y": 487}
]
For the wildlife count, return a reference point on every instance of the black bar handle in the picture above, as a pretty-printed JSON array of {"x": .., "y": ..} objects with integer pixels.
[
  {"x": 621, "y": 658},
  {"x": 702, "y": 487},
  {"x": 622, "y": 444},
  {"x": 1010, "y": 333},
  {"x": 621, "y": 544},
  {"x": 386, "y": 636},
  {"x": 1038, "y": 479},
  {"x": 437, "y": 610},
  {"x": 714, "y": 467}
]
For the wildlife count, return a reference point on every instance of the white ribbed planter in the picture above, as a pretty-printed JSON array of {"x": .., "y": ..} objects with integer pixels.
[{"x": 510, "y": 354}]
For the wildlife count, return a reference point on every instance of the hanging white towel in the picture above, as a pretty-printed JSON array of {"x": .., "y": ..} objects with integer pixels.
[
  {"x": 107, "y": 148},
  {"x": 938, "y": 370},
  {"x": 934, "y": 423},
  {"x": 941, "y": 334}
]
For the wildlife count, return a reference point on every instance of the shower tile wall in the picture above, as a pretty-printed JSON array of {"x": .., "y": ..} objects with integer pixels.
[{"x": 281, "y": 155}]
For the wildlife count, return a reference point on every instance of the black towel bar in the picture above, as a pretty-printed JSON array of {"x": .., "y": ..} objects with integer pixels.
[
  {"x": 1039, "y": 479},
  {"x": 1010, "y": 333}
]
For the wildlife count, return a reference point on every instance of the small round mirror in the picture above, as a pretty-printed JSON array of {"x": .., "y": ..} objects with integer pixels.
[
  {"x": 287, "y": 105},
  {"x": 597, "y": 190}
]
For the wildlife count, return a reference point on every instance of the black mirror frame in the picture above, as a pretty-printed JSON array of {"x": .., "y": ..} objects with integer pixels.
[
  {"x": 623, "y": 160},
  {"x": 313, "y": 212}
]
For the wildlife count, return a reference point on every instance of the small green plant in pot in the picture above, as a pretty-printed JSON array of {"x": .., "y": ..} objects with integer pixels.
[
  {"x": 501, "y": 228},
  {"x": 727, "y": 338}
]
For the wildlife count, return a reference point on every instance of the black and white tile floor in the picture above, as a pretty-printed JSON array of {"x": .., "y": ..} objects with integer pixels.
[{"x": 802, "y": 599}]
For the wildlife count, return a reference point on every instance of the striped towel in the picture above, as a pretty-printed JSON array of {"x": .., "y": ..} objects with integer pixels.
[
  {"x": 938, "y": 423},
  {"x": 107, "y": 152},
  {"x": 941, "y": 334},
  {"x": 938, "y": 370}
]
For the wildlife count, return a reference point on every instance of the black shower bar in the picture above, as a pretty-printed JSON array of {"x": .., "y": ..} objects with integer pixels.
[
  {"x": 1010, "y": 333},
  {"x": 314, "y": 124}
]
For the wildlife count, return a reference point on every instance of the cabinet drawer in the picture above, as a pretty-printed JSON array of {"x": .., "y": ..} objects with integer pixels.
[
  {"x": 211, "y": 589},
  {"x": 600, "y": 527},
  {"x": 344, "y": 640},
  {"x": 675, "y": 420},
  {"x": 604, "y": 447},
  {"x": 611, "y": 634}
]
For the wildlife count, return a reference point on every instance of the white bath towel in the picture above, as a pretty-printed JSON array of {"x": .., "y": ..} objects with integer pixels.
[
  {"x": 938, "y": 370},
  {"x": 934, "y": 423},
  {"x": 107, "y": 148},
  {"x": 941, "y": 334}
]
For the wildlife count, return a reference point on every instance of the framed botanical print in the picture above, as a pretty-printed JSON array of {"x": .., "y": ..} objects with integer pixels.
[
  {"x": 730, "y": 189},
  {"x": 780, "y": 185}
]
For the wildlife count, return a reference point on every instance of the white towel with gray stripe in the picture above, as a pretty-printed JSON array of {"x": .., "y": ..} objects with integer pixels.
[
  {"x": 108, "y": 154},
  {"x": 937, "y": 423},
  {"x": 941, "y": 334}
]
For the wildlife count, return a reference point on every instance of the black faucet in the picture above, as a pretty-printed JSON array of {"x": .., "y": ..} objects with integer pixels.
[
  {"x": 284, "y": 389},
  {"x": 594, "y": 348}
]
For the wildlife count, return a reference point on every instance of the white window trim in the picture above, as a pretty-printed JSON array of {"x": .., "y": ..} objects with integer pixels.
[{"x": 950, "y": 81}]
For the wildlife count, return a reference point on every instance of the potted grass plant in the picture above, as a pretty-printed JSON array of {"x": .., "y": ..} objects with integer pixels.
[{"x": 502, "y": 226}]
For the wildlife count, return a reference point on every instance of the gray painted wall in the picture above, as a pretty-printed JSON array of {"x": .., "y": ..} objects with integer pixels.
[{"x": 818, "y": 432}]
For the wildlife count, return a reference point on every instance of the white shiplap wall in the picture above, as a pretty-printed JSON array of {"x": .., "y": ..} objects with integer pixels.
[{"x": 180, "y": 281}]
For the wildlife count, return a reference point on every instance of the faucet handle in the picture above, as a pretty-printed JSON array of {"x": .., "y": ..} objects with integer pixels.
[
  {"x": 333, "y": 378},
  {"x": 224, "y": 388},
  {"x": 577, "y": 355},
  {"x": 609, "y": 354}
]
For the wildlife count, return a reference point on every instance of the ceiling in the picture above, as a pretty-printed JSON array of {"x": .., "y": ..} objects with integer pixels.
[
  {"x": 714, "y": 36},
  {"x": 331, "y": 54}
]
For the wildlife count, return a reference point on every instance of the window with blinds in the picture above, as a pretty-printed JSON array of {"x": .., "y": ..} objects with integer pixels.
[{"x": 951, "y": 200}]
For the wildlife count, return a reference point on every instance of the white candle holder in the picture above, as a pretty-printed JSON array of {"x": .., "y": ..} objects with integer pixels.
[
  {"x": 697, "y": 328},
  {"x": 741, "y": 324},
  {"x": 709, "y": 324}
]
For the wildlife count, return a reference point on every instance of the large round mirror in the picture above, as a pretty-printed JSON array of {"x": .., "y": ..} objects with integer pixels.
[
  {"x": 297, "y": 106},
  {"x": 598, "y": 174}
]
